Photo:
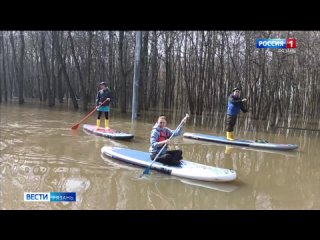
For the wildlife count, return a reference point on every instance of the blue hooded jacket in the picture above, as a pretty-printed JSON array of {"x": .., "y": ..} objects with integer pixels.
[
  {"x": 155, "y": 135},
  {"x": 234, "y": 105}
]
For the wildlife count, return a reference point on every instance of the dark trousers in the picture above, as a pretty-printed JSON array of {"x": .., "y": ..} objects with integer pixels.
[
  {"x": 231, "y": 121},
  {"x": 171, "y": 158},
  {"x": 106, "y": 114}
]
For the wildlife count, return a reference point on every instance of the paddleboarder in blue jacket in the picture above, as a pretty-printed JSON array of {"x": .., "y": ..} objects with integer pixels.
[{"x": 235, "y": 103}]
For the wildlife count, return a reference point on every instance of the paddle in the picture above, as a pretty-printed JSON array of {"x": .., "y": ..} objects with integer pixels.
[
  {"x": 75, "y": 127},
  {"x": 147, "y": 170}
]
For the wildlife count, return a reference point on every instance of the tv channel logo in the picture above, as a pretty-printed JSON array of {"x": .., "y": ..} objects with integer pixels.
[
  {"x": 50, "y": 197},
  {"x": 37, "y": 197},
  {"x": 276, "y": 43},
  {"x": 62, "y": 197}
]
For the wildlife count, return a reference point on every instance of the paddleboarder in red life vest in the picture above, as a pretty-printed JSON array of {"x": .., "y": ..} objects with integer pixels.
[
  {"x": 103, "y": 94},
  {"x": 160, "y": 135},
  {"x": 235, "y": 103}
]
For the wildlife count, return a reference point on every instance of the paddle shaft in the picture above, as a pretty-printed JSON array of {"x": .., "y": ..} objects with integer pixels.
[{"x": 86, "y": 117}]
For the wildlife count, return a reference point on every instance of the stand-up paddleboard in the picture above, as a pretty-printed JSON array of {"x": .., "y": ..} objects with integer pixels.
[
  {"x": 235, "y": 148},
  {"x": 240, "y": 142},
  {"x": 218, "y": 186},
  {"x": 187, "y": 169},
  {"x": 111, "y": 133}
]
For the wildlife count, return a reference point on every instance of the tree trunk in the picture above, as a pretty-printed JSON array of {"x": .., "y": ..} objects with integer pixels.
[
  {"x": 45, "y": 69},
  {"x": 64, "y": 71},
  {"x": 21, "y": 67},
  {"x": 59, "y": 80},
  {"x": 81, "y": 81},
  {"x": 112, "y": 67},
  {"x": 1, "y": 54},
  {"x": 86, "y": 97},
  {"x": 154, "y": 91},
  {"x": 4, "y": 72},
  {"x": 15, "y": 67},
  {"x": 143, "y": 105},
  {"x": 186, "y": 75},
  {"x": 123, "y": 87},
  {"x": 53, "y": 76}
]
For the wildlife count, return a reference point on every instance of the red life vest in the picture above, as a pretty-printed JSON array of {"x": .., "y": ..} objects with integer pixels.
[{"x": 163, "y": 136}]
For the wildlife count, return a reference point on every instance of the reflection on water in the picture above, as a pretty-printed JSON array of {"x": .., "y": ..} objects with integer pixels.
[
  {"x": 22, "y": 176},
  {"x": 40, "y": 153}
]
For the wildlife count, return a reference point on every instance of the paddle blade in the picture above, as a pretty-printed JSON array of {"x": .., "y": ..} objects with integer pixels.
[
  {"x": 75, "y": 127},
  {"x": 146, "y": 171}
]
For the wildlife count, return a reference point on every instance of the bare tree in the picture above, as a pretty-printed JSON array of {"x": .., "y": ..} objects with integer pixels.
[
  {"x": 3, "y": 67},
  {"x": 45, "y": 68},
  {"x": 143, "y": 100},
  {"x": 124, "y": 70},
  {"x": 64, "y": 71}
]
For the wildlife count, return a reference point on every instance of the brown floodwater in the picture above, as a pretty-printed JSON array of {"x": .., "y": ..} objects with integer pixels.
[{"x": 40, "y": 153}]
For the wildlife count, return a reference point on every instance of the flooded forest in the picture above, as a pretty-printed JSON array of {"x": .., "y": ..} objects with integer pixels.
[{"x": 181, "y": 71}]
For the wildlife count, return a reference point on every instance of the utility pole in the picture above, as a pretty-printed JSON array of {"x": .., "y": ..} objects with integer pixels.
[{"x": 136, "y": 77}]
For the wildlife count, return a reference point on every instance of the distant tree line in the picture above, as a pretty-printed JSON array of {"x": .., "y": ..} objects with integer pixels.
[{"x": 190, "y": 70}]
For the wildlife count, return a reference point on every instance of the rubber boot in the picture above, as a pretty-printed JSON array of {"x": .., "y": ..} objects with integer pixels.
[
  {"x": 107, "y": 124},
  {"x": 230, "y": 136},
  {"x": 98, "y": 124}
]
